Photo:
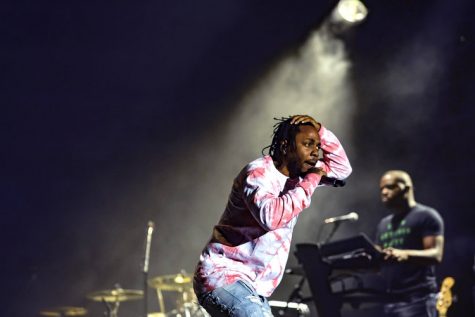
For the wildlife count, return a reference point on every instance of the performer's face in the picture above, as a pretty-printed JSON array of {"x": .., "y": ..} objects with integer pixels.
[
  {"x": 305, "y": 155},
  {"x": 392, "y": 190}
]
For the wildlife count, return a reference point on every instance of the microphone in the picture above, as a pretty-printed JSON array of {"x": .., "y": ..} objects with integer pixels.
[
  {"x": 330, "y": 181},
  {"x": 352, "y": 216}
]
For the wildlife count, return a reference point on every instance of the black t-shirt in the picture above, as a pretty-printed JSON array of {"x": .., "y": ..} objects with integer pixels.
[{"x": 407, "y": 232}]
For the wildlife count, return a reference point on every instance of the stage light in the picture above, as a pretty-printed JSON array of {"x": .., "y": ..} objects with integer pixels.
[
  {"x": 344, "y": 16},
  {"x": 351, "y": 11}
]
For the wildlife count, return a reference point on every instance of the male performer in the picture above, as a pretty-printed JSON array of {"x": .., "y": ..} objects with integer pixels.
[
  {"x": 412, "y": 239},
  {"x": 245, "y": 258}
]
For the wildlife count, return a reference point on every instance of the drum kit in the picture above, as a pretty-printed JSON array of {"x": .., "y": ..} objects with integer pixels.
[
  {"x": 181, "y": 287},
  {"x": 186, "y": 303},
  {"x": 180, "y": 284}
]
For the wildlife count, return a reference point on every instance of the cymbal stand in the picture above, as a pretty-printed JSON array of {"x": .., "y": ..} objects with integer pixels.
[
  {"x": 161, "y": 301},
  {"x": 150, "y": 228},
  {"x": 111, "y": 310},
  {"x": 186, "y": 304}
]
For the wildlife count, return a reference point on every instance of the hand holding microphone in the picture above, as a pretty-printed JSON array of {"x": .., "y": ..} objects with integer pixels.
[
  {"x": 325, "y": 180},
  {"x": 330, "y": 181}
]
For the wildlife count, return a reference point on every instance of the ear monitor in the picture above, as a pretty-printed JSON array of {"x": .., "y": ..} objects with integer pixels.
[
  {"x": 406, "y": 188},
  {"x": 402, "y": 186}
]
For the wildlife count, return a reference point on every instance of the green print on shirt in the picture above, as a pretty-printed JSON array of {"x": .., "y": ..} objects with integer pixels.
[{"x": 394, "y": 238}]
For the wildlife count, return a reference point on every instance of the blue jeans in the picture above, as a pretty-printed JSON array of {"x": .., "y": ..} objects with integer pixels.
[
  {"x": 416, "y": 307},
  {"x": 238, "y": 300}
]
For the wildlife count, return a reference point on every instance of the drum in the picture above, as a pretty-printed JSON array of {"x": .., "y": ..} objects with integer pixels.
[{"x": 180, "y": 288}]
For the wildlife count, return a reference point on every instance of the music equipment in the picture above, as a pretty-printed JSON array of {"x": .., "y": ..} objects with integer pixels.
[
  {"x": 115, "y": 295},
  {"x": 332, "y": 271},
  {"x": 182, "y": 286},
  {"x": 148, "y": 243},
  {"x": 289, "y": 309},
  {"x": 352, "y": 216},
  {"x": 174, "y": 282},
  {"x": 444, "y": 297},
  {"x": 63, "y": 311},
  {"x": 188, "y": 310}
]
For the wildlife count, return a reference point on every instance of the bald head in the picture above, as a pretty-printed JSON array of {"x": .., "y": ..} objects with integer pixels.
[
  {"x": 397, "y": 191},
  {"x": 399, "y": 176}
]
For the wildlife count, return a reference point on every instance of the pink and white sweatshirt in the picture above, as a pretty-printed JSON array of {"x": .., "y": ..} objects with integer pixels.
[{"x": 251, "y": 242}]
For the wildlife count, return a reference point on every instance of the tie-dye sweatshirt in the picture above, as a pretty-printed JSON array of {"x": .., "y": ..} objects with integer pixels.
[{"x": 251, "y": 242}]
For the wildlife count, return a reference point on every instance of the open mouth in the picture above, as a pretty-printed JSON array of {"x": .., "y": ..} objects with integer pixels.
[{"x": 311, "y": 163}]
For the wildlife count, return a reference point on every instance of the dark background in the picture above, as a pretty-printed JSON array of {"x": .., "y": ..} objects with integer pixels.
[{"x": 108, "y": 108}]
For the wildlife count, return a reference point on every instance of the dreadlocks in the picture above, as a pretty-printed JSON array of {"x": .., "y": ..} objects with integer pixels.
[{"x": 283, "y": 130}]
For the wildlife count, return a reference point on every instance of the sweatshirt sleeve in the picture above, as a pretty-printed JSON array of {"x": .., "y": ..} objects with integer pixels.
[
  {"x": 269, "y": 207},
  {"x": 334, "y": 162}
]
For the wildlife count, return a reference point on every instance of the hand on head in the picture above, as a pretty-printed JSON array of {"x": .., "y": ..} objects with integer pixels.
[{"x": 298, "y": 119}]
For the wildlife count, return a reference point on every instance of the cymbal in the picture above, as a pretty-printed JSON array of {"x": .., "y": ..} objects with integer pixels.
[
  {"x": 174, "y": 282},
  {"x": 63, "y": 311},
  {"x": 115, "y": 295}
]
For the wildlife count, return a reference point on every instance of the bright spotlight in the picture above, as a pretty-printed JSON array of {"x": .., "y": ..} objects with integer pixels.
[
  {"x": 344, "y": 16},
  {"x": 351, "y": 11}
]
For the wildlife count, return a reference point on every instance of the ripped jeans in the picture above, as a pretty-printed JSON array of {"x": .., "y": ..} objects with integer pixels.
[{"x": 237, "y": 300}]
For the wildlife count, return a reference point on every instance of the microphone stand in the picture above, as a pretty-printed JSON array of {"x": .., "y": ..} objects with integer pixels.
[
  {"x": 319, "y": 231},
  {"x": 336, "y": 225},
  {"x": 148, "y": 243},
  {"x": 296, "y": 291}
]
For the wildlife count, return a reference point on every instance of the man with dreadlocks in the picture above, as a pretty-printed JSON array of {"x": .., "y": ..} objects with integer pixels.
[{"x": 244, "y": 260}]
